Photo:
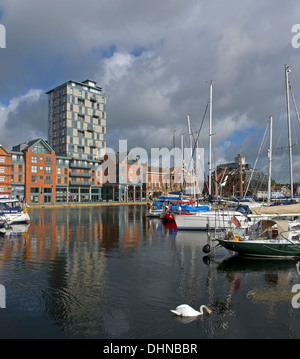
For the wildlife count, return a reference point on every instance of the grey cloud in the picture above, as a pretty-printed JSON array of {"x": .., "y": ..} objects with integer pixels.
[{"x": 154, "y": 61}]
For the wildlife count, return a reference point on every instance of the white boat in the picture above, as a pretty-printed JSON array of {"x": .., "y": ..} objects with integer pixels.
[
  {"x": 218, "y": 218},
  {"x": 12, "y": 211}
]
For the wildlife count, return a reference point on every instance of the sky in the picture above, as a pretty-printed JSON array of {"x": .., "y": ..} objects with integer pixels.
[{"x": 155, "y": 61}]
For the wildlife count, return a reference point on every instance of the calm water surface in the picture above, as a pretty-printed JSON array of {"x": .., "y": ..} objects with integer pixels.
[{"x": 110, "y": 272}]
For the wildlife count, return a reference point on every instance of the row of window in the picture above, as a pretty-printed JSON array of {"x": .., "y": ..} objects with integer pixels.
[
  {"x": 34, "y": 169},
  {"x": 34, "y": 159}
]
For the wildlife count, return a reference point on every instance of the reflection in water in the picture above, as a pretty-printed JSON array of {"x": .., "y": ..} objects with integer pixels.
[
  {"x": 65, "y": 253},
  {"x": 111, "y": 272}
]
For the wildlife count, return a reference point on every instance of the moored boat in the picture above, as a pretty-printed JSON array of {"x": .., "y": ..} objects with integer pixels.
[
  {"x": 221, "y": 219},
  {"x": 169, "y": 214},
  {"x": 12, "y": 211},
  {"x": 159, "y": 206},
  {"x": 268, "y": 238}
]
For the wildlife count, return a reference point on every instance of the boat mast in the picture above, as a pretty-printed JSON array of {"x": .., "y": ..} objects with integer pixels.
[
  {"x": 210, "y": 134},
  {"x": 241, "y": 175},
  {"x": 182, "y": 162},
  {"x": 270, "y": 162},
  {"x": 287, "y": 70}
]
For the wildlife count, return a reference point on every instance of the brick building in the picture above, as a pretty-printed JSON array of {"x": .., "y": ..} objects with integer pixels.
[{"x": 5, "y": 171}]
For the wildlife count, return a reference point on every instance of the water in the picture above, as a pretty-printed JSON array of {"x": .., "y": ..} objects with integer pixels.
[{"x": 112, "y": 273}]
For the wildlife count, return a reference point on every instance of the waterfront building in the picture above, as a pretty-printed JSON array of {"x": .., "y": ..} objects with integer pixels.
[
  {"x": 77, "y": 133},
  {"x": 122, "y": 177},
  {"x": 238, "y": 176},
  {"x": 163, "y": 180},
  {"x": 5, "y": 171},
  {"x": 17, "y": 174},
  {"x": 39, "y": 176},
  {"x": 38, "y": 161},
  {"x": 77, "y": 119}
]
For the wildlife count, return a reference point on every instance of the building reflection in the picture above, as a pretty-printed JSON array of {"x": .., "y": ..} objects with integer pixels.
[{"x": 66, "y": 250}]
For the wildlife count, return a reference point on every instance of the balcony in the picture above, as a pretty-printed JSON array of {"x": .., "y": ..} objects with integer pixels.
[
  {"x": 92, "y": 144},
  {"x": 90, "y": 127},
  {"x": 80, "y": 183},
  {"x": 79, "y": 164},
  {"x": 80, "y": 174},
  {"x": 96, "y": 114}
]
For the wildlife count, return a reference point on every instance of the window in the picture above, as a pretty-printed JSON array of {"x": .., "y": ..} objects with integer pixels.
[
  {"x": 33, "y": 159},
  {"x": 40, "y": 148},
  {"x": 33, "y": 178},
  {"x": 2, "y": 159},
  {"x": 48, "y": 169},
  {"x": 34, "y": 169},
  {"x": 2, "y": 170},
  {"x": 2, "y": 179}
]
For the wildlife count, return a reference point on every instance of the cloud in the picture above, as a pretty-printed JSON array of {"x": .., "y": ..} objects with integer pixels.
[
  {"x": 23, "y": 119},
  {"x": 154, "y": 60}
]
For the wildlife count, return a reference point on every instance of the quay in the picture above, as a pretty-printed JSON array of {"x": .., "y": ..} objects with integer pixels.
[{"x": 86, "y": 204}]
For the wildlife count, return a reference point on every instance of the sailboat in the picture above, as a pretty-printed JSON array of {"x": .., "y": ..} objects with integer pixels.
[{"x": 267, "y": 238}]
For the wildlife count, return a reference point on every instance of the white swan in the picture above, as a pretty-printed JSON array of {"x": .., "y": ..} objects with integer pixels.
[{"x": 185, "y": 310}]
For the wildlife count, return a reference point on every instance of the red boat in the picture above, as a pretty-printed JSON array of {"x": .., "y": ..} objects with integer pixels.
[{"x": 168, "y": 217}]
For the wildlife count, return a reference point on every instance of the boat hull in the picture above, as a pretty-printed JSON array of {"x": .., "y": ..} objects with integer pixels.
[
  {"x": 263, "y": 248},
  {"x": 210, "y": 220},
  {"x": 17, "y": 218}
]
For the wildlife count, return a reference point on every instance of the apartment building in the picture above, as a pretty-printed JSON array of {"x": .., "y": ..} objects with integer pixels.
[
  {"x": 77, "y": 119},
  {"x": 5, "y": 171},
  {"x": 34, "y": 172},
  {"x": 122, "y": 178}
]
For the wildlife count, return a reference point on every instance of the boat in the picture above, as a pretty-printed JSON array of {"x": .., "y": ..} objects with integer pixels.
[
  {"x": 222, "y": 219},
  {"x": 12, "y": 211},
  {"x": 268, "y": 238},
  {"x": 169, "y": 214},
  {"x": 159, "y": 205}
]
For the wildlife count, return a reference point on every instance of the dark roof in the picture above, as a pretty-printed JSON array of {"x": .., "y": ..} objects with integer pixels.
[
  {"x": 83, "y": 83},
  {"x": 24, "y": 147}
]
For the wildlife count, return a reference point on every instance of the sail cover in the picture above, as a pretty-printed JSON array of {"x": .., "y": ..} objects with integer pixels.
[{"x": 283, "y": 210}]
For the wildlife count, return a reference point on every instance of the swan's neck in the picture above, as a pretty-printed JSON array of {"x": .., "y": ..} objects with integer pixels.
[{"x": 204, "y": 307}]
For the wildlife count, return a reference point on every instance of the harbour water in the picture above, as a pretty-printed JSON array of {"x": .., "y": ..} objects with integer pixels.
[{"x": 113, "y": 273}]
